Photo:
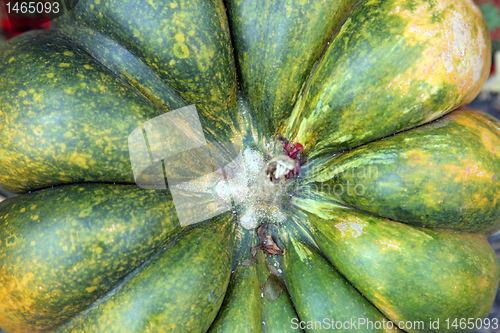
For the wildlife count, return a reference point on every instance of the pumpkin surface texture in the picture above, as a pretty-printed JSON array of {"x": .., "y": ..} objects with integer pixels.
[{"x": 248, "y": 166}]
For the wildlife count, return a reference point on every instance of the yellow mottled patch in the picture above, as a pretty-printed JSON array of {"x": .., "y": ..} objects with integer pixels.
[
  {"x": 463, "y": 119},
  {"x": 11, "y": 59},
  {"x": 417, "y": 157},
  {"x": 62, "y": 146},
  {"x": 23, "y": 210},
  {"x": 80, "y": 160},
  {"x": 153, "y": 4},
  {"x": 68, "y": 53},
  {"x": 64, "y": 64},
  {"x": 181, "y": 50},
  {"x": 33, "y": 243},
  {"x": 479, "y": 200},
  {"x": 67, "y": 135},
  {"x": 38, "y": 131},
  {"x": 85, "y": 212},
  {"x": 179, "y": 37},
  {"x": 471, "y": 171},
  {"x": 34, "y": 217},
  {"x": 91, "y": 289},
  {"x": 33, "y": 207},
  {"x": 87, "y": 67},
  {"x": 402, "y": 82},
  {"x": 22, "y": 93},
  {"x": 50, "y": 75},
  {"x": 173, "y": 5},
  {"x": 11, "y": 241},
  {"x": 452, "y": 53},
  {"x": 491, "y": 141},
  {"x": 102, "y": 88},
  {"x": 172, "y": 62},
  {"x": 37, "y": 97}
]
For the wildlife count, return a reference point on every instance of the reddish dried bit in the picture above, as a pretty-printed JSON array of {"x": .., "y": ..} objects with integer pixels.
[
  {"x": 269, "y": 247},
  {"x": 261, "y": 232},
  {"x": 267, "y": 244},
  {"x": 295, "y": 150}
]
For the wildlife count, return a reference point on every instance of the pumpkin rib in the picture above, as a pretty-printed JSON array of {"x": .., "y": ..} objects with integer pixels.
[
  {"x": 186, "y": 46},
  {"x": 131, "y": 275},
  {"x": 279, "y": 313},
  {"x": 125, "y": 66},
  {"x": 368, "y": 250},
  {"x": 50, "y": 134},
  {"x": 323, "y": 292},
  {"x": 241, "y": 309},
  {"x": 206, "y": 306},
  {"x": 393, "y": 174},
  {"x": 274, "y": 314},
  {"x": 268, "y": 93},
  {"x": 356, "y": 95},
  {"x": 90, "y": 235}
]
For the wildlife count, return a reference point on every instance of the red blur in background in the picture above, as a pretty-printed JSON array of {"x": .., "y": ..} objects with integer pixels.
[{"x": 21, "y": 22}]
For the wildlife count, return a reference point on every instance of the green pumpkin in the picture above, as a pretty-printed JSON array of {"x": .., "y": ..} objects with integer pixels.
[{"x": 248, "y": 166}]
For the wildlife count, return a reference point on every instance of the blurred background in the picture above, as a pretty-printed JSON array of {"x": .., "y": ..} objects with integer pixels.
[{"x": 488, "y": 100}]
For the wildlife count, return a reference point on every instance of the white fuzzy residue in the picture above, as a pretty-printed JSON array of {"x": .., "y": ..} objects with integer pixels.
[{"x": 357, "y": 228}]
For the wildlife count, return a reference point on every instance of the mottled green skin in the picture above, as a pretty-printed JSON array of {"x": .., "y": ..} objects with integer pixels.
[
  {"x": 64, "y": 247},
  {"x": 407, "y": 272},
  {"x": 124, "y": 65},
  {"x": 347, "y": 101},
  {"x": 443, "y": 174},
  {"x": 184, "y": 43},
  {"x": 319, "y": 292},
  {"x": 241, "y": 310},
  {"x": 245, "y": 309},
  {"x": 272, "y": 36},
  {"x": 279, "y": 314},
  {"x": 64, "y": 118},
  {"x": 179, "y": 290}
]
